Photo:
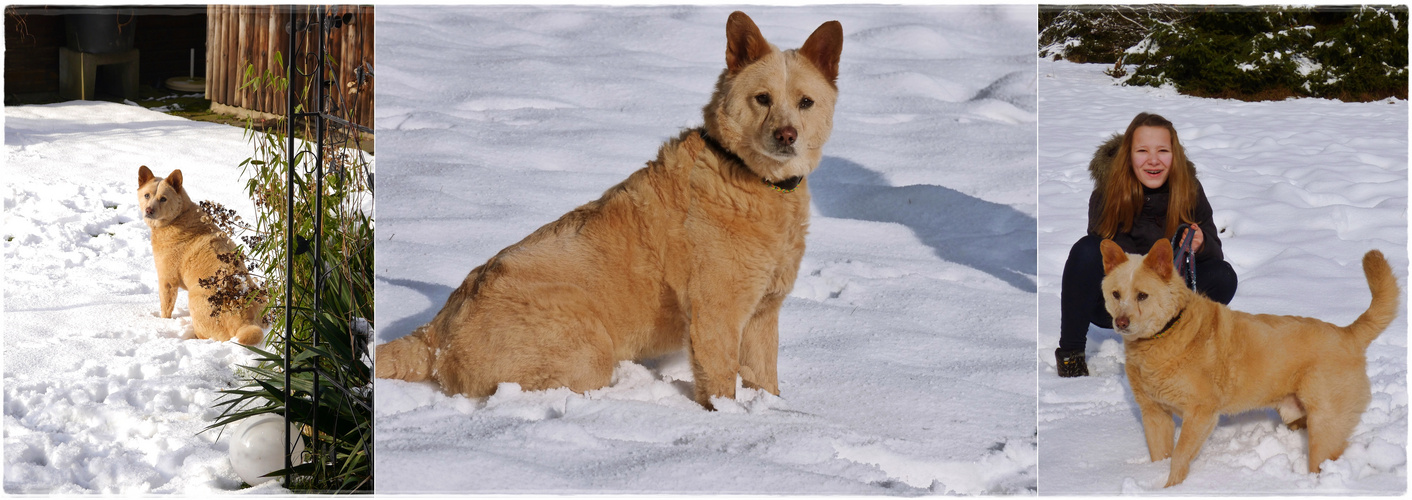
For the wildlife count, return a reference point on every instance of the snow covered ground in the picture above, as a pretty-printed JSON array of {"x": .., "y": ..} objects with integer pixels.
[
  {"x": 906, "y": 356},
  {"x": 1301, "y": 189},
  {"x": 102, "y": 394}
]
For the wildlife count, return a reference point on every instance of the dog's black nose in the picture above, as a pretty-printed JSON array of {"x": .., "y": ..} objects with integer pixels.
[{"x": 785, "y": 136}]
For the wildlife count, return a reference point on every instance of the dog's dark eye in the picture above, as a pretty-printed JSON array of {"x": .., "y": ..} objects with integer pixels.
[
  {"x": 164, "y": 198},
  {"x": 146, "y": 196},
  {"x": 1115, "y": 294},
  {"x": 806, "y": 103},
  {"x": 1141, "y": 296},
  {"x": 763, "y": 99}
]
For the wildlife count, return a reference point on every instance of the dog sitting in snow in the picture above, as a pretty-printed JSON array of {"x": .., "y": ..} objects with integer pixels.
[
  {"x": 185, "y": 245},
  {"x": 1191, "y": 357},
  {"x": 697, "y": 250}
]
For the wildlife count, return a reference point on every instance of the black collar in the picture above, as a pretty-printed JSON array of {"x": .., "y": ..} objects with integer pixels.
[
  {"x": 1167, "y": 328},
  {"x": 784, "y": 186}
]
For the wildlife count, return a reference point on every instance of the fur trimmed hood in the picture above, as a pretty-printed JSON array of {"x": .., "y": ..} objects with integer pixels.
[{"x": 1098, "y": 167}]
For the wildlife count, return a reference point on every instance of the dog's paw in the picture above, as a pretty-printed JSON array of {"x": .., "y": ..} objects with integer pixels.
[
  {"x": 1175, "y": 477},
  {"x": 724, "y": 405},
  {"x": 707, "y": 405}
]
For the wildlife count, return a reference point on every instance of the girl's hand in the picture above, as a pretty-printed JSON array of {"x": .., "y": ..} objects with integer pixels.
[{"x": 1196, "y": 239}]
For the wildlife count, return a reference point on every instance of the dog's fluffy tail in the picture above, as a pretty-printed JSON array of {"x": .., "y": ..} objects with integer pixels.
[
  {"x": 1384, "y": 307},
  {"x": 249, "y": 334},
  {"x": 409, "y": 358}
]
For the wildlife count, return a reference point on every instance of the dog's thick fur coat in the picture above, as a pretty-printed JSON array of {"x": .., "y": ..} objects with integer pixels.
[
  {"x": 697, "y": 250},
  {"x": 185, "y": 245},
  {"x": 1194, "y": 358}
]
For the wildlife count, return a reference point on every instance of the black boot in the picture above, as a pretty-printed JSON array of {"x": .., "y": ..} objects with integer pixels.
[{"x": 1071, "y": 363}]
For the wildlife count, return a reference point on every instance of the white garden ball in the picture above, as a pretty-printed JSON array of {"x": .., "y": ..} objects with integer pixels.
[{"x": 257, "y": 447}]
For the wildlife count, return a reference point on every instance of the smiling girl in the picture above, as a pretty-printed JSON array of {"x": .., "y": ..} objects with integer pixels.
[{"x": 1144, "y": 188}]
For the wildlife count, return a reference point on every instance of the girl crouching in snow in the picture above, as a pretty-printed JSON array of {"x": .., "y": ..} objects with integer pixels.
[{"x": 1144, "y": 188}]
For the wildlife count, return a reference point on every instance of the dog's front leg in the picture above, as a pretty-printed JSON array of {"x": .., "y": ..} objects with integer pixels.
[
  {"x": 1196, "y": 427},
  {"x": 1157, "y": 426},
  {"x": 760, "y": 345},
  {"x": 717, "y": 320},
  {"x": 167, "y": 290},
  {"x": 714, "y": 360},
  {"x": 1159, "y": 429}
]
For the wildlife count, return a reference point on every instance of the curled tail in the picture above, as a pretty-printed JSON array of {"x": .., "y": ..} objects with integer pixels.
[
  {"x": 1384, "y": 307},
  {"x": 254, "y": 329},
  {"x": 249, "y": 334},
  {"x": 409, "y": 358}
]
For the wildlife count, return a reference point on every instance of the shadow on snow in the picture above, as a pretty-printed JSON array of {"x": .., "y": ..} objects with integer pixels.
[{"x": 986, "y": 236}]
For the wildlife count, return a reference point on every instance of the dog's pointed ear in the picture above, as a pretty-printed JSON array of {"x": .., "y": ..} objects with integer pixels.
[
  {"x": 823, "y": 47},
  {"x": 1113, "y": 255},
  {"x": 174, "y": 179},
  {"x": 1159, "y": 259},
  {"x": 744, "y": 43},
  {"x": 144, "y": 174}
]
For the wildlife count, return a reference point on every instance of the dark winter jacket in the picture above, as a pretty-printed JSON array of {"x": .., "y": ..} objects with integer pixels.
[{"x": 1151, "y": 222}]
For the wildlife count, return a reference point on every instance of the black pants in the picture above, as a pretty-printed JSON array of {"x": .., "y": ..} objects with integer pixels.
[{"x": 1081, "y": 298}]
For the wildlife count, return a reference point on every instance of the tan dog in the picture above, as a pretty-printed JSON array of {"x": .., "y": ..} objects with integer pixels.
[
  {"x": 1194, "y": 358},
  {"x": 697, "y": 250},
  {"x": 185, "y": 245}
]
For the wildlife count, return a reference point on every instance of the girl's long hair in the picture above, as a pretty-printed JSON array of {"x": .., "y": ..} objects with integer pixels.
[{"x": 1122, "y": 193}]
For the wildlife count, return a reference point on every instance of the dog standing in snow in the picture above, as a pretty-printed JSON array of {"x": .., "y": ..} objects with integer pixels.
[{"x": 1191, "y": 357}]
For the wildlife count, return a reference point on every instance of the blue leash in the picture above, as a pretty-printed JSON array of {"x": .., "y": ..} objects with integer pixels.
[{"x": 1184, "y": 259}]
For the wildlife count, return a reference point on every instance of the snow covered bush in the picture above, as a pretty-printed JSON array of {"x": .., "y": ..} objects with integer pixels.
[
  {"x": 1370, "y": 49},
  {"x": 1270, "y": 53},
  {"x": 1099, "y": 34},
  {"x": 1223, "y": 53}
]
